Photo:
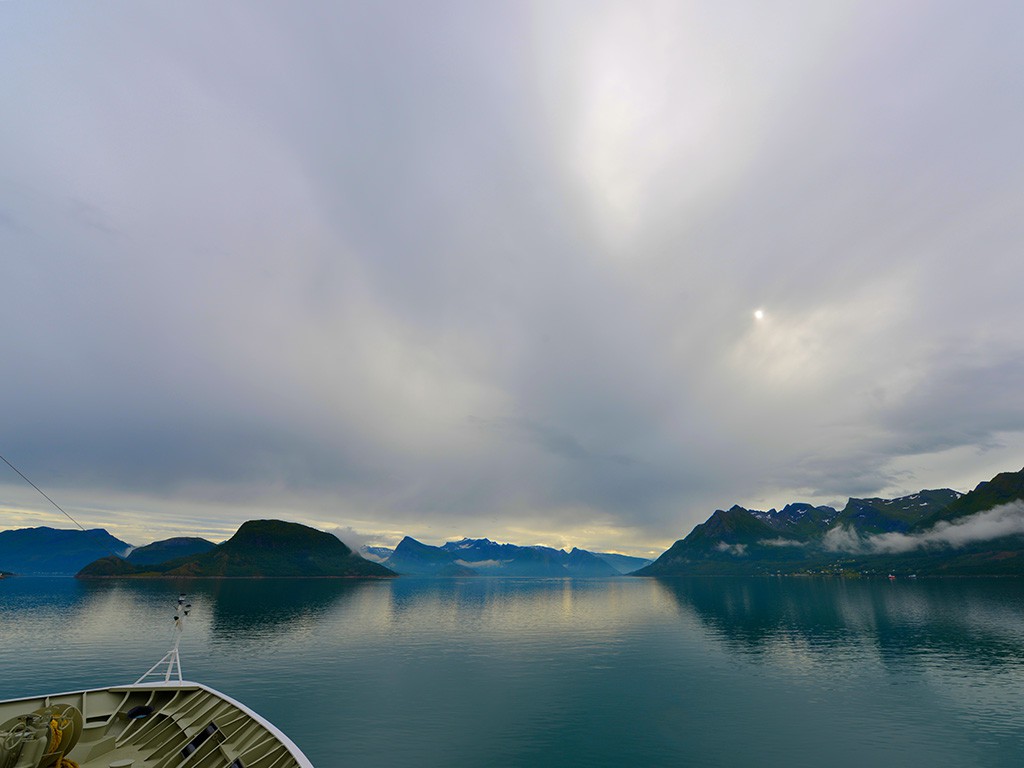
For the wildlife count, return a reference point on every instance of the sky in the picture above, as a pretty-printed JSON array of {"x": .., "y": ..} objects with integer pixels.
[{"x": 560, "y": 273}]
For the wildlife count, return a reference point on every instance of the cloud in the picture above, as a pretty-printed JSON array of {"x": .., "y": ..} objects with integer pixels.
[
  {"x": 480, "y": 563},
  {"x": 352, "y": 538},
  {"x": 843, "y": 539},
  {"x": 781, "y": 542},
  {"x": 739, "y": 550},
  {"x": 996, "y": 523},
  {"x": 497, "y": 264}
]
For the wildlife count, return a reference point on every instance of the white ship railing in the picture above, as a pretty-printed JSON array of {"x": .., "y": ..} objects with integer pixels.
[{"x": 169, "y": 667}]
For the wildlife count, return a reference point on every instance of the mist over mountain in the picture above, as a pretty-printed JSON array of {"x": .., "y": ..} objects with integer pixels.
[
  {"x": 933, "y": 531},
  {"x": 936, "y": 531},
  {"x": 376, "y": 554}
]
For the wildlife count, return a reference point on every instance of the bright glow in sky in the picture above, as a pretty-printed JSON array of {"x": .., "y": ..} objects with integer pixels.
[{"x": 488, "y": 269}]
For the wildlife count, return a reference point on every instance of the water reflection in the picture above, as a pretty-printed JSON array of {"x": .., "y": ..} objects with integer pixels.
[
  {"x": 424, "y": 673},
  {"x": 535, "y": 608},
  {"x": 249, "y": 610},
  {"x": 126, "y": 625},
  {"x": 969, "y": 619}
]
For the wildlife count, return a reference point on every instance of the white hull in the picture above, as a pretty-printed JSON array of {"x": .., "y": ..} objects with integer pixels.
[{"x": 172, "y": 724}]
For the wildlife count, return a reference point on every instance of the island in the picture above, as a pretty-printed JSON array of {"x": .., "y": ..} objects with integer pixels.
[{"x": 258, "y": 549}]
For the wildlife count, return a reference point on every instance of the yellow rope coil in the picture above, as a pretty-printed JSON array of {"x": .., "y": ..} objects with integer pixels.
[{"x": 56, "y": 734}]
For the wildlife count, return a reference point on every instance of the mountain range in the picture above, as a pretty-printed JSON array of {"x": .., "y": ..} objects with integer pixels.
[
  {"x": 259, "y": 548},
  {"x": 483, "y": 557},
  {"x": 937, "y": 532},
  {"x": 265, "y": 548}
]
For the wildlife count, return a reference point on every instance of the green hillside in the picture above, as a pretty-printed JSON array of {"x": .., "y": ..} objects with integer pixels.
[
  {"x": 729, "y": 542},
  {"x": 1001, "y": 489},
  {"x": 169, "y": 549},
  {"x": 887, "y": 515},
  {"x": 733, "y": 526}
]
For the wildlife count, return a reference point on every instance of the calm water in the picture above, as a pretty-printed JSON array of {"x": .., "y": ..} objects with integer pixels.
[{"x": 617, "y": 672}]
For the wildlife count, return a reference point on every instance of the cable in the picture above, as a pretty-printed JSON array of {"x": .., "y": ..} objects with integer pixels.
[{"x": 58, "y": 506}]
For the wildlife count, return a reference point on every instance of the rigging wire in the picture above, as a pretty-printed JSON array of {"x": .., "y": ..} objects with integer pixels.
[{"x": 58, "y": 506}]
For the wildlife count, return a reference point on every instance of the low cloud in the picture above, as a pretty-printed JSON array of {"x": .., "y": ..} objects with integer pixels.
[
  {"x": 995, "y": 523},
  {"x": 844, "y": 539},
  {"x": 739, "y": 550},
  {"x": 480, "y": 563},
  {"x": 371, "y": 555},
  {"x": 352, "y": 539},
  {"x": 781, "y": 542}
]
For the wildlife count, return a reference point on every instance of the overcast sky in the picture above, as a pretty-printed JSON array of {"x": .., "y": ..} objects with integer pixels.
[{"x": 492, "y": 269}]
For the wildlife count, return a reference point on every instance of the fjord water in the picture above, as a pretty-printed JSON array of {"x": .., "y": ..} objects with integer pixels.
[{"x": 603, "y": 672}]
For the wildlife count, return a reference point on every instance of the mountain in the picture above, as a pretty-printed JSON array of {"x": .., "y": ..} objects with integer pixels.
[
  {"x": 902, "y": 514},
  {"x": 932, "y": 531},
  {"x": 580, "y": 562},
  {"x": 416, "y": 558},
  {"x": 54, "y": 551},
  {"x": 169, "y": 549},
  {"x": 735, "y": 526},
  {"x": 483, "y": 557},
  {"x": 259, "y": 548},
  {"x": 1002, "y": 489},
  {"x": 730, "y": 541},
  {"x": 798, "y": 519},
  {"x": 623, "y": 563},
  {"x": 112, "y": 566}
]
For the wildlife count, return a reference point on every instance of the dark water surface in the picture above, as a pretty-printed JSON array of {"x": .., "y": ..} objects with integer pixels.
[{"x": 615, "y": 672}]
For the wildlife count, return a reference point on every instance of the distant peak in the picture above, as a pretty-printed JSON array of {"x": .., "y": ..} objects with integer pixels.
[{"x": 467, "y": 543}]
